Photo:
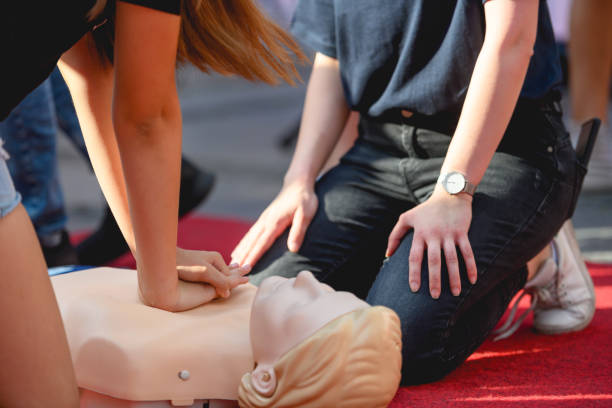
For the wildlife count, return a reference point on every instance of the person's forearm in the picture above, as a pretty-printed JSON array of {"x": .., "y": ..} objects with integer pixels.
[
  {"x": 324, "y": 116},
  {"x": 93, "y": 107},
  {"x": 151, "y": 153},
  {"x": 492, "y": 95}
]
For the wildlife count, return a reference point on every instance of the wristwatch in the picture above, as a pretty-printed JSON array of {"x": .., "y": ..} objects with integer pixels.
[{"x": 455, "y": 183}]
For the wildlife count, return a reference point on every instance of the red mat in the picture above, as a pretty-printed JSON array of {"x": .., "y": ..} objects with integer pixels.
[{"x": 526, "y": 370}]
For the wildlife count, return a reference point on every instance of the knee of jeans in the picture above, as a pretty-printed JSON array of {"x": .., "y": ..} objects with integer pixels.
[{"x": 425, "y": 369}]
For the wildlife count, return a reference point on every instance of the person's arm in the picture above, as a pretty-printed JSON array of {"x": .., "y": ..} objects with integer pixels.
[
  {"x": 147, "y": 123},
  {"x": 91, "y": 88},
  {"x": 136, "y": 155},
  {"x": 323, "y": 118},
  {"x": 442, "y": 222}
]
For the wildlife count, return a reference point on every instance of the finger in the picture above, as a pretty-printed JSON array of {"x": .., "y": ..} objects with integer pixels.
[
  {"x": 245, "y": 269},
  {"x": 434, "y": 256},
  {"x": 264, "y": 242},
  {"x": 400, "y": 229},
  {"x": 237, "y": 280},
  {"x": 468, "y": 258},
  {"x": 265, "y": 239},
  {"x": 239, "y": 253},
  {"x": 206, "y": 274},
  {"x": 236, "y": 276},
  {"x": 301, "y": 220},
  {"x": 240, "y": 271},
  {"x": 236, "y": 269},
  {"x": 218, "y": 262},
  {"x": 415, "y": 260},
  {"x": 452, "y": 264}
]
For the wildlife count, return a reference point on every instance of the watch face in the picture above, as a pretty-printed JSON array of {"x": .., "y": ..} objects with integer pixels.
[{"x": 454, "y": 183}]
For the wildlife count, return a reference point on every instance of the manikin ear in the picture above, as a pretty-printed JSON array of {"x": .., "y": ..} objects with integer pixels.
[{"x": 263, "y": 380}]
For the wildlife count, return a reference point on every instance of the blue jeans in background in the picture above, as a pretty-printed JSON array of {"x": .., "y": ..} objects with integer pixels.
[
  {"x": 29, "y": 134},
  {"x": 9, "y": 198}
]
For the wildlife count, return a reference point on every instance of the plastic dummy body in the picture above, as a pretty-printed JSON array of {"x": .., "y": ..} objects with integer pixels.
[{"x": 131, "y": 352}]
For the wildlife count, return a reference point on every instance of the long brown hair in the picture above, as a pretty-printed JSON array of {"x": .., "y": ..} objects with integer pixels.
[{"x": 231, "y": 37}]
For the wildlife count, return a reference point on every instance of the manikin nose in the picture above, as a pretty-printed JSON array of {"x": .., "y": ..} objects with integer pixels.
[{"x": 307, "y": 279}]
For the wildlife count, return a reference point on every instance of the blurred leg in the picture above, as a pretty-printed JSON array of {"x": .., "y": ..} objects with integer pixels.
[
  {"x": 30, "y": 134},
  {"x": 590, "y": 58},
  {"x": 36, "y": 366}
]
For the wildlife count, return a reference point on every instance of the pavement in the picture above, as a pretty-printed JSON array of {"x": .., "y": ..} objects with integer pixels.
[{"x": 233, "y": 127}]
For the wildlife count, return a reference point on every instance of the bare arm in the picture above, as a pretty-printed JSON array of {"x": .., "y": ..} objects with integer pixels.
[
  {"x": 495, "y": 86},
  {"x": 323, "y": 119},
  {"x": 142, "y": 143},
  {"x": 147, "y": 122},
  {"x": 136, "y": 155},
  {"x": 91, "y": 88},
  {"x": 494, "y": 89}
]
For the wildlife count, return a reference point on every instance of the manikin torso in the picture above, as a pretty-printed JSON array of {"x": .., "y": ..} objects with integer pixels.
[
  {"x": 132, "y": 352},
  {"x": 127, "y": 354}
]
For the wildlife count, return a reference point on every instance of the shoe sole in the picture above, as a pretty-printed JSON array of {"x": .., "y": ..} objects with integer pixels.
[{"x": 567, "y": 233}]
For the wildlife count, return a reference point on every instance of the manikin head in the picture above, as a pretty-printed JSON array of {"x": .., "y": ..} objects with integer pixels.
[{"x": 314, "y": 347}]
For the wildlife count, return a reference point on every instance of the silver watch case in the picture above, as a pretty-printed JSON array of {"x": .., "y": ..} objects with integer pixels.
[{"x": 455, "y": 183}]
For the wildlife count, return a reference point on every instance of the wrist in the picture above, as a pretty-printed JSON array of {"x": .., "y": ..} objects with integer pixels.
[
  {"x": 455, "y": 182},
  {"x": 156, "y": 288},
  {"x": 165, "y": 299},
  {"x": 440, "y": 192},
  {"x": 299, "y": 178}
]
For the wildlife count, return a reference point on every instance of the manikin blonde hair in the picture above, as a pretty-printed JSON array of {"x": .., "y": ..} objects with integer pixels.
[
  {"x": 354, "y": 361},
  {"x": 226, "y": 36}
]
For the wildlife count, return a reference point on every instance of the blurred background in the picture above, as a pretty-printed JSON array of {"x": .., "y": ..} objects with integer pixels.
[{"x": 240, "y": 131}]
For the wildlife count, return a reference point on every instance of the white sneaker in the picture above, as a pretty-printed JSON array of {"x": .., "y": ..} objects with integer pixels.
[{"x": 562, "y": 294}]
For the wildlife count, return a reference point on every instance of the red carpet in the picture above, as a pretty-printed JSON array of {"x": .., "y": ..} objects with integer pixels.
[{"x": 526, "y": 370}]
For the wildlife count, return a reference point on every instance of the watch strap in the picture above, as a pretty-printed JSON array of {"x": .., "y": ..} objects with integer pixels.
[{"x": 469, "y": 188}]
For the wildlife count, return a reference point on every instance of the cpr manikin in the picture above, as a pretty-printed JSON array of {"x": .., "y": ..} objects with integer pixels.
[
  {"x": 314, "y": 347},
  {"x": 304, "y": 336}
]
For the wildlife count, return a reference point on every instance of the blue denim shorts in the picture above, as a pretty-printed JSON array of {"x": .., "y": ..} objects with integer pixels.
[{"x": 9, "y": 197}]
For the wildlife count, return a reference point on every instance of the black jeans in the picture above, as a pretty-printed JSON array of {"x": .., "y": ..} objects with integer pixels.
[{"x": 527, "y": 193}]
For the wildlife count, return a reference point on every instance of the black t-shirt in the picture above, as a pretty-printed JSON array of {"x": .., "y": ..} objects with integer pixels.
[
  {"x": 34, "y": 36},
  {"x": 412, "y": 54}
]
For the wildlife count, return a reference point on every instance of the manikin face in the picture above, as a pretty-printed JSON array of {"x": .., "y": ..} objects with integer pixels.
[{"x": 287, "y": 311}]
